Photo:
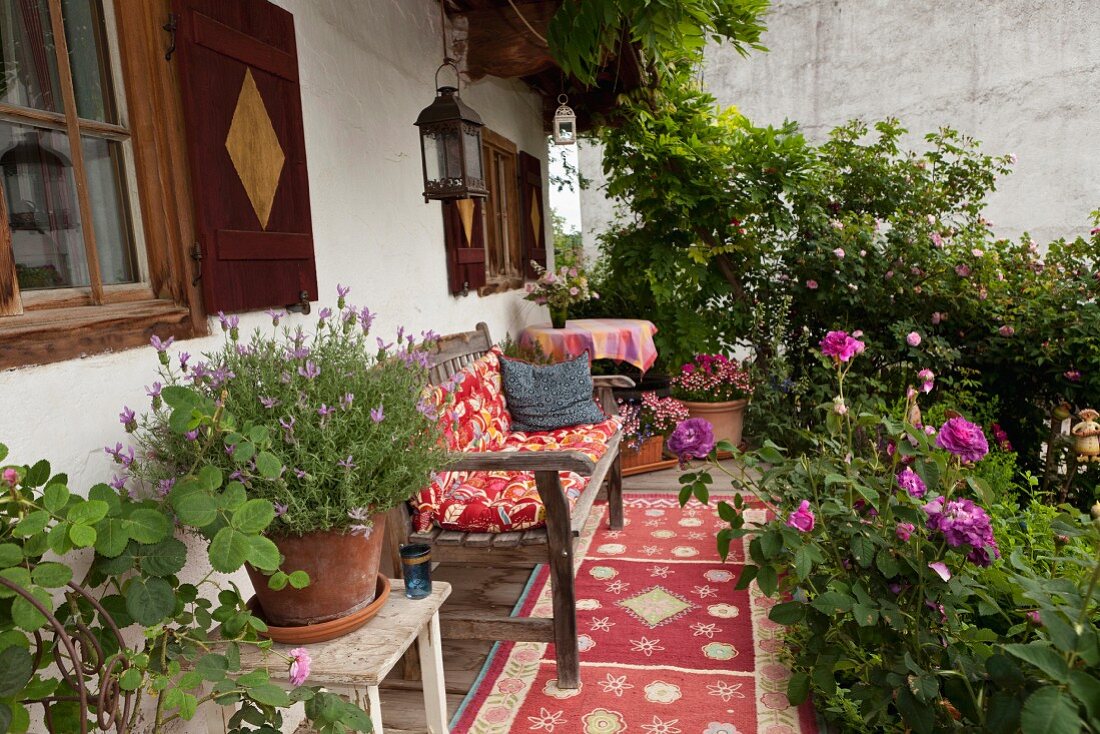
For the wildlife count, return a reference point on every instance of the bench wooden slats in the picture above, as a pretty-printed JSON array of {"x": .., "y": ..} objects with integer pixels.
[
  {"x": 450, "y": 537},
  {"x": 507, "y": 540},
  {"x": 472, "y": 626},
  {"x": 478, "y": 540},
  {"x": 534, "y": 537}
]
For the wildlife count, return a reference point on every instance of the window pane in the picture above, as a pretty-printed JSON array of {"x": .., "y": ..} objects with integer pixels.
[
  {"x": 89, "y": 59},
  {"x": 110, "y": 210},
  {"x": 37, "y": 176},
  {"x": 28, "y": 65}
]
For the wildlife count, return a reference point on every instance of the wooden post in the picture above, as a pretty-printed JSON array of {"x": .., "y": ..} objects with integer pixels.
[
  {"x": 615, "y": 493},
  {"x": 559, "y": 539}
]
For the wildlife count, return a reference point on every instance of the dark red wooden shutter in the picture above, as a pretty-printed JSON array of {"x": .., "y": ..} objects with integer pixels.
[
  {"x": 238, "y": 66},
  {"x": 465, "y": 255},
  {"x": 532, "y": 217}
]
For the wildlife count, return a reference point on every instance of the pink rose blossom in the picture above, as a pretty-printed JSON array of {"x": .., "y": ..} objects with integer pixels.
[
  {"x": 1073, "y": 375},
  {"x": 937, "y": 317},
  {"x": 10, "y": 476},
  {"x": 802, "y": 519},
  {"x": 977, "y": 252},
  {"x": 839, "y": 407},
  {"x": 1033, "y": 617},
  {"x": 299, "y": 666},
  {"x": 1006, "y": 330},
  {"x": 839, "y": 252},
  {"x": 962, "y": 270},
  {"x": 941, "y": 570},
  {"x": 937, "y": 239},
  {"x": 913, "y": 339},
  {"x": 811, "y": 284},
  {"x": 840, "y": 346},
  {"x": 904, "y": 531}
]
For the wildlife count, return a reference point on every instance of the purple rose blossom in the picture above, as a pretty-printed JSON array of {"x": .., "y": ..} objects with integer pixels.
[
  {"x": 963, "y": 439},
  {"x": 962, "y": 270},
  {"x": 1033, "y": 617},
  {"x": 802, "y": 519},
  {"x": 377, "y": 414},
  {"x": 310, "y": 370},
  {"x": 928, "y": 380},
  {"x": 1006, "y": 331},
  {"x": 692, "y": 439},
  {"x": 811, "y": 284},
  {"x": 941, "y": 570},
  {"x": 1073, "y": 375},
  {"x": 911, "y": 482},
  {"x": 841, "y": 346},
  {"x": 964, "y": 523}
]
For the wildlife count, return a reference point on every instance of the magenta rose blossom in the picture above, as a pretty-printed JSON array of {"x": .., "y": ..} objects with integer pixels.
[
  {"x": 802, "y": 519},
  {"x": 963, "y": 523},
  {"x": 911, "y": 482},
  {"x": 841, "y": 346},
  {"x": 299, "y": 666},
  {"x": 692, "y": 439},
  {"x": 904, "y": 531},
  {"x": 963, "y": 439}
]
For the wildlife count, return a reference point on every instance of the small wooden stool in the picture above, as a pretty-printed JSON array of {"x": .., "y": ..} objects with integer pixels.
[{"x": 363, "y": 658}]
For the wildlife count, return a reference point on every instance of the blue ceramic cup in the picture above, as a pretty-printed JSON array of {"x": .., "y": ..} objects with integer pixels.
[{"x": 416, "y": 562}]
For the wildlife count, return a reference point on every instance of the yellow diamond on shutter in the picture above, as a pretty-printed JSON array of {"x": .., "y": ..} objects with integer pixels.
[
  {"x": 536, "y": 217},
  {"x": 255, "y": 150},
  {"x": 466, "y": 214}
]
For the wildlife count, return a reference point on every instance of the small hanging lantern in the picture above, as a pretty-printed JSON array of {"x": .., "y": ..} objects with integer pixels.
[
  {"x": 565, "y": 123},
  {"x": 450, "y": 145}
]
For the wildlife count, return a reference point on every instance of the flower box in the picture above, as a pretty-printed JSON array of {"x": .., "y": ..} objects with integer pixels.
[{"x": 649, "y": 452}]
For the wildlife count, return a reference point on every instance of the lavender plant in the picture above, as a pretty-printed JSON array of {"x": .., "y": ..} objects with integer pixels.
[{"x": 343, "y": 411}]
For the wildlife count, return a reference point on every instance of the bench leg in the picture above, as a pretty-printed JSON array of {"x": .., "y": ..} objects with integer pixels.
[
  {"x": 431, "y": 661},
  {"x": 375, "y": 709},
  {"x": 615, "y": 494},
  {"x": 559, "y": 539}
]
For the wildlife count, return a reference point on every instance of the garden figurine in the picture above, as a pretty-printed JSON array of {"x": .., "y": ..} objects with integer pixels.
[{"x": 1087, "y": 437}]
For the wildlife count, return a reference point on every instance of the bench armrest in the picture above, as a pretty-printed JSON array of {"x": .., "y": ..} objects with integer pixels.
[
  {"x": 599, "y": 381},
  {"x": 573, "y": 461}
]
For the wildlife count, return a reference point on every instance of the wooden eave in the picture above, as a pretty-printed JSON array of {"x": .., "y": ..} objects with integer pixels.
[{"x": 490, "y": 39}]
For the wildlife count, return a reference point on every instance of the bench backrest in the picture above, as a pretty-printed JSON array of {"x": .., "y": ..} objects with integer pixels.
[{"x": 455, "y": 351}]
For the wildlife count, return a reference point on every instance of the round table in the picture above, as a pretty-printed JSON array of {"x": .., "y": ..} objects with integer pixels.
[{"x": 623, "y": 340}]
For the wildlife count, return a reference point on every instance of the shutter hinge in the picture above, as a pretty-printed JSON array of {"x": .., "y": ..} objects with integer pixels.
[
  {"x": 196, "y": 255},
  {"x": 171, "y": 26},
  {"x": 466, "y": 288},
  {"x": 302, "y": 306}
]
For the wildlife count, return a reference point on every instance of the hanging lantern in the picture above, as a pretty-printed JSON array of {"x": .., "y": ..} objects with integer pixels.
[
  {"x": 450, "y": 145},
  {"x": 565, "y": 123}
]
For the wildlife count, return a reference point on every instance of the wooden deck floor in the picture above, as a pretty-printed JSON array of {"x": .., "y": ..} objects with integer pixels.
[{"x": 478, "y": 589}]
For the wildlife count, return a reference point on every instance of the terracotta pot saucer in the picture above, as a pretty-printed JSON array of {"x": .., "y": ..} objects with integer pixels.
[{"x": 324, "y": 631}]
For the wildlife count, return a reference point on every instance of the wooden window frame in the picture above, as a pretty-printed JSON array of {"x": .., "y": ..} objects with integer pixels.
[
  {"x": 495, "y": 143},
  {"x": 49, "y": 326}
]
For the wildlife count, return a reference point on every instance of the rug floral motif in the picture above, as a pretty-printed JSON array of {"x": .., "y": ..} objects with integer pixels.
[{"x": 668, "y": 645}]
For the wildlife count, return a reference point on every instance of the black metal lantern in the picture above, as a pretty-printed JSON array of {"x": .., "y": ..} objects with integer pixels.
[{"x": 450, "y": 145}]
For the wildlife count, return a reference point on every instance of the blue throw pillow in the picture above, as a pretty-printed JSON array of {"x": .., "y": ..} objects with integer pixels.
[{"x": 547, "y": 397}]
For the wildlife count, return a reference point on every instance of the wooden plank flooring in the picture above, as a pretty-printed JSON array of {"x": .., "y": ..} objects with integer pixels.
[{"x": 482, "y": 590}]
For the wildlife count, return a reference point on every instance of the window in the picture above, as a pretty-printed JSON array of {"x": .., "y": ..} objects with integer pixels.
[
  {"x": 504, "y": 252},
  {"x": 80, "y": 269}
]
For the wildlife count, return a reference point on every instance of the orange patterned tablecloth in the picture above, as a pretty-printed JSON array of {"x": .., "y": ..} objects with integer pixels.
[{"x": 623, "y": 340}]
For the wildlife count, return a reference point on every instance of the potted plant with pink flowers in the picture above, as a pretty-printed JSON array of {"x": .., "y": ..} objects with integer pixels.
[
  {"x": 716, "y": 388},
  {"x": 558, "y": 290},
  {"x": 646, "y": 423}
]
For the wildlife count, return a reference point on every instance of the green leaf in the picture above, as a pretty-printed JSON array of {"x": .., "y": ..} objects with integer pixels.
[
  {"x": 10, "y": 554},
  {"x": 253, "y": 516},
  {"x": 210, "y": 477},
  {"x": 771, "y": 543},
  {"x": 832, "y": 602},
  {"x": 268, "y": 465},
  {"x": 148, "y": 526},
  {"x": 262, "y": 553},
  {"x": 179, "y": 421},
  {"x": 51, "y": 575},
  {"x": 55, "y": 497},
  {"x": 767, "y": 580},
  {"x": 1043, "y": 658},
  {"x": 788, "y": 613},
  {"x": 233, "y": 497},
  {"x": 229, "y": 550},
  {"x": 5, "y": 718},
  {"x": 1050, "y": 711},
  {"x": 25, "y": 615},
  {"x": 16, "y": 669},
  {"x": 18, "y": 576},
  {"x": 83, "y": 536},
  {"x": 212, "y": 667},
  {"x": 32, "y": 524},
  {"x": 106, "y": 493},
  {"x": 37, "y": 474},
  {"x": 299, "y": 579},
  {"x": 111, "y": 537},
  {"x": 188, "y": 705},
  {"x": 88, "y": 513},
  {"x": 193, "y": 504},
  {"x": 748, "y": 574},
  {"x": 798, "y": 688},
  {"x": 887, "y": 564},
  {"x": 278, "y": 581},
  {"x": 1086, "y": 689},
  {"x": 270, "y": 694},
  {"x": 163, "y": 559},
  {"x": 149, "y": 601},
  {"x": 130, "y": 680},
  {"x": 179, "y": 397},
  {"x": 863, "y": 550},
  {"x": 865, "y": 616},
  {"x": 919, "y": 716}
]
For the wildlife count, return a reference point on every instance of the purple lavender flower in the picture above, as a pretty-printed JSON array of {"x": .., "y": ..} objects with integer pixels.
[
  {"x": 244, "y": 350},
  {"x": 230, "y": 449},
  {"x": 364, "y": 524},
  {"x": 366, "y": 318},
  {"x": 911, "y": 482},
  {"x": 154, "y": 391},
  {"x": 325, "y": 411},
  {"x": 164, "y": 486},
  {"x": 383, "y": 346},
  {"x": 285, "y": 378},
  {"x": 115, "y": 452},
  {"x": 400, "y": 334},
  {"x": 276, "y": 315},
  {"x": 342, "y": 291},
  {"x": 184, "y": 356},
  {"x": 427, "y": 409},
  {"x": 299, "y": 352},
  {"x": 280, "y": 509},
  {"x": 377, "y": 414},
  {"x": 161, "y": 346},
  {"x": 118, "y": 482},
  {"x": 300, "y": 474},
  {"x": 192, "y": 435},
  {"x": 220, "y": 376},
  {"x": 228, "y": 322},
  {"x": 128, "y": 419},
  {"x": 199, "y": 373},
  {"x": 309, "y": 371},
  {"x": 269, "y": 403},
  {"x": 347, "y": 463},
  {"x": 325, "y": 314},
  {"x": 288, "y": 428},
  {"x": 345, "y": 402}
]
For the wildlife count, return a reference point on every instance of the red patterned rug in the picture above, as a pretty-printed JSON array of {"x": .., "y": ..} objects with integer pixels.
[{"x": 668, "y": 646}]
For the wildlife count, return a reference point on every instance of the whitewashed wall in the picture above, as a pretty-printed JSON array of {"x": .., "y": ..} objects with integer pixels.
[
  {"x": 1019, "y": 75},
  {"x": 367, "y": 70}
]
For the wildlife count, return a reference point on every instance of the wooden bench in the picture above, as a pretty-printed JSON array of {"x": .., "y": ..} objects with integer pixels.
[{"x": 552, "y": 544}]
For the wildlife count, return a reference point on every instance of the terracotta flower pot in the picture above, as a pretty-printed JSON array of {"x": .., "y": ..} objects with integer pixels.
[
  {"x": 343, "y": 573},
  {"x": 728, "y": 418},
  {"x": 649, "y": 452}
]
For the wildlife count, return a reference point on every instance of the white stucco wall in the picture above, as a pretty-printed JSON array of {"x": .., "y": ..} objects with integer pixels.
[
  {"x": 366, "y": 71},
  {"x": 1019, "y": 75}
]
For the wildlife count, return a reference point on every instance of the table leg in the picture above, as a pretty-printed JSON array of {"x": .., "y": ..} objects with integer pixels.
[
  {"x": 431, "y": 666},
  {"x": 375, "y": 708}
]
